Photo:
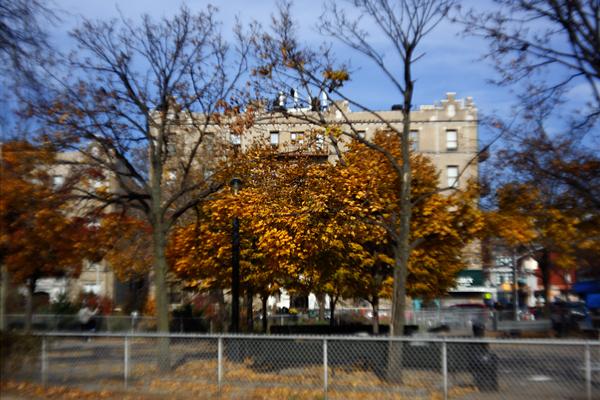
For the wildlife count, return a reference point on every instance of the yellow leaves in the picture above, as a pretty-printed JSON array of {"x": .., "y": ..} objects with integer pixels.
[
  {"x": 26, "y": 390},
  {"x": 337, "y": 77}
]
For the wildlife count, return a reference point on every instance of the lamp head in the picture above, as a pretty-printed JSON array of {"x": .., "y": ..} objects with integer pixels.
[{"x": 236, "y": 185}]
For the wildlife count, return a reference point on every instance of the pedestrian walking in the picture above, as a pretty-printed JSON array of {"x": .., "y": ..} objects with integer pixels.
[{"x": 86, "y": 319}]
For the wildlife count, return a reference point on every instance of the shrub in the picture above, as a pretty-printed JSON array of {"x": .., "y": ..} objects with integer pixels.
[
  {"x": 62, "y": 306},
  {"x": 189, "y": 314}
]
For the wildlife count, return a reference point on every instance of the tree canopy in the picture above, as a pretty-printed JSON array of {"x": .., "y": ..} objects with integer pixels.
[
  {"x": 42, "y": 234},
  {"x": 317, "y": 227}
]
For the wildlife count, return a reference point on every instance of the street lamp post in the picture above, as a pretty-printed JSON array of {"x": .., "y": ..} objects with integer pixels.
[
  {"x": 515, "y": 286},
  {"x": 236, "y": 185}
]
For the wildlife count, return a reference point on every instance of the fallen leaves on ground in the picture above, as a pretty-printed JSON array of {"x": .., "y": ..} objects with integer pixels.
[{"x": 27, "y": 390}]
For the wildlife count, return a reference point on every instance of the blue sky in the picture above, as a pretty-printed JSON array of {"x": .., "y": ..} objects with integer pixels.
[{"x": 450, "y": 63}]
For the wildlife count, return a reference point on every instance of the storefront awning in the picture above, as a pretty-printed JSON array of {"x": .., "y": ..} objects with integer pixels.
[{"x": 469, "y": 281}]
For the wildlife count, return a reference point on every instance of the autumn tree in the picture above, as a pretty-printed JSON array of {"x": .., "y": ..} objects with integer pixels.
[
  {"x": 25, "y": 55},
  {"x": 366, "y": 188},
  {"x": 138, "y": 106},
  {"x": 548, "y": 158},
  {"x": 24, "y": 41},
  {"x": 542, "y": 225},
  {"x": 542, "y": 62},
  {"x": 125, "y": 243},
  {"x": 42, "y": 236},
  {"x": 527, "y": 37},
  {"x": 272, "y": 227},
  {"x": 303, "y": 228},
  {"x": 548, "y": 202},
  {"x": 287, "y": 65}
]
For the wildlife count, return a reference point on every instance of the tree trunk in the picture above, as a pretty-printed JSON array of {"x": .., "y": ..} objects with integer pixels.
[
  {"x": 3, "y": 298},
  {"x": 401, "y": 240},
  {"x": 378, "y": 276},
  {"x": 332, "y": 302},
  {"x": 544, "y": 266},
  {"x": 375, "y": 304},
  {"x": 222, "y": 311},
  {"x": 160, "y": 295},
  {"x": 394, "y": 371},
  {"x": 321, "y": 299},
  {"x": 265, "y": 321},
  {"x": 29, "y": 303},
  {"x": 249, "y": 311}
]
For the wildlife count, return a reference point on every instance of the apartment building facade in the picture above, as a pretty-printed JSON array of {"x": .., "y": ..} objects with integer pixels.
[{"x": 446, "y": 132}]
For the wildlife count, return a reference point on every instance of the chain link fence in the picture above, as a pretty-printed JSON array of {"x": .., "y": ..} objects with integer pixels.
[
  {"x": 427, "y": 319},
  {"x": 257, "y": 366}
]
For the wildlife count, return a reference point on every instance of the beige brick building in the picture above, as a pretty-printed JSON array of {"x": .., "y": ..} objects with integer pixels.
[{"x": 447, "y": 132}]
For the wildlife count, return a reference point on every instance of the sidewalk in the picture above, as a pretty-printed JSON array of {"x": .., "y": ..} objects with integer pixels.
[{"x": 28, "y": 391}]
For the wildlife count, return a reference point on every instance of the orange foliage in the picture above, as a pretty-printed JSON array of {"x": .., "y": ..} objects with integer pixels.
[
  {"x": 302, "y": 226},
  {"x": 127, "y": 245},
  {"x": 38, "y": 237}
]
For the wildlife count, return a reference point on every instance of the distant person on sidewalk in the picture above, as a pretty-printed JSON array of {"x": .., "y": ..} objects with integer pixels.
[{"x": 86, "y": 319}]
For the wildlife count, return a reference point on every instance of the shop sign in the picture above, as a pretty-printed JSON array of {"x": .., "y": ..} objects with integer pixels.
[{"x": 468, "y": 278}]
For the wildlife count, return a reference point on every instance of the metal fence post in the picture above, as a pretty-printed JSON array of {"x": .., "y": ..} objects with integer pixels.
[
  {"x": 325, "y": 369},
  {"x": 220, "y": 363},
  {"x": 588, "y": 372},
  {"x": 126, "y": 362},
  {"x": 44, "y": 361},
  {"x": 445, "y": 368}
]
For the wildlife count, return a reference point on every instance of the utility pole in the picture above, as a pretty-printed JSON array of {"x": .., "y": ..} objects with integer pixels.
[{"x": 515, "y": 286}]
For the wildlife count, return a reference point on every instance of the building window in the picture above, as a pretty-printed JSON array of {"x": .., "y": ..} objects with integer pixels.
[
  {"x": 236, "y": 140},
  {"x": 174, "y": 294},
  {"x": 92, "y": 265},
  {"x": 451, "y": 140},
  {"x": 320, "y": 141},
  {"x": 504, "y": 277},
  {"x": 91, "y": 288},
  {"x": 58, "y": 181},
  {"x": 452, "y": 175},
  {"x": 297, "y": 138},
  {"x": 414, "y": 141},
  {"x": 501, "y": 260},
  {"x": 274, "y": 139}
]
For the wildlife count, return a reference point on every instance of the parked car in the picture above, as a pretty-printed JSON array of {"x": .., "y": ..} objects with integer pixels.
[{"x": 575, "y": 315}]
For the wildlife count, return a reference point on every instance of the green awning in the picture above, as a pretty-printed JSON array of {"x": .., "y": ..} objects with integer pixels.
[{"x": 469, "y": 278}]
